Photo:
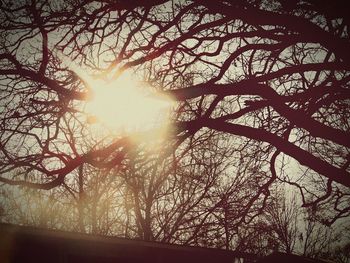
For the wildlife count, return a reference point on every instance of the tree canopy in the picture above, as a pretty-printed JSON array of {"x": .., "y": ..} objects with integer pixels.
[{"x": 261, "y": 91}]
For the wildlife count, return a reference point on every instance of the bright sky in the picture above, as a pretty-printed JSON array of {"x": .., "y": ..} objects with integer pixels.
[{"x": 123, "y": 104}]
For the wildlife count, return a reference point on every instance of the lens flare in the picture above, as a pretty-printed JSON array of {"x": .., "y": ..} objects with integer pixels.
[{"x": 123, "y": 104}]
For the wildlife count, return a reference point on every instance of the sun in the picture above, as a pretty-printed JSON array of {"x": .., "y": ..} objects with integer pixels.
[
  {"x": 126, "y": 104},
  {"x": 122, "y": 104}
]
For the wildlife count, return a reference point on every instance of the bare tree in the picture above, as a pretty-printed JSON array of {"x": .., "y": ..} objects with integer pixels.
[
  {"x": 285, "y": 227},
  {"x": 270, "y": 76}
]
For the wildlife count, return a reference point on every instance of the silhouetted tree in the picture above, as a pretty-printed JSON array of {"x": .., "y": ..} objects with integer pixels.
[{"x": 269, "y": 76}]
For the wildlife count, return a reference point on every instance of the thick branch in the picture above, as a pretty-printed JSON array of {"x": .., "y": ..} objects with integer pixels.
[
  {"x": 248, "y": 87},
  {"x": 303, "y": 157}
]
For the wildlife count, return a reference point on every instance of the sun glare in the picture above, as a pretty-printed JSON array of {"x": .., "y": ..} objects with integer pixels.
[{"x": 124, "y": 105}]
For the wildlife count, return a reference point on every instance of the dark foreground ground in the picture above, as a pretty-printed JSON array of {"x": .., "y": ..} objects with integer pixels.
[{"x": 29, "y": 244}]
